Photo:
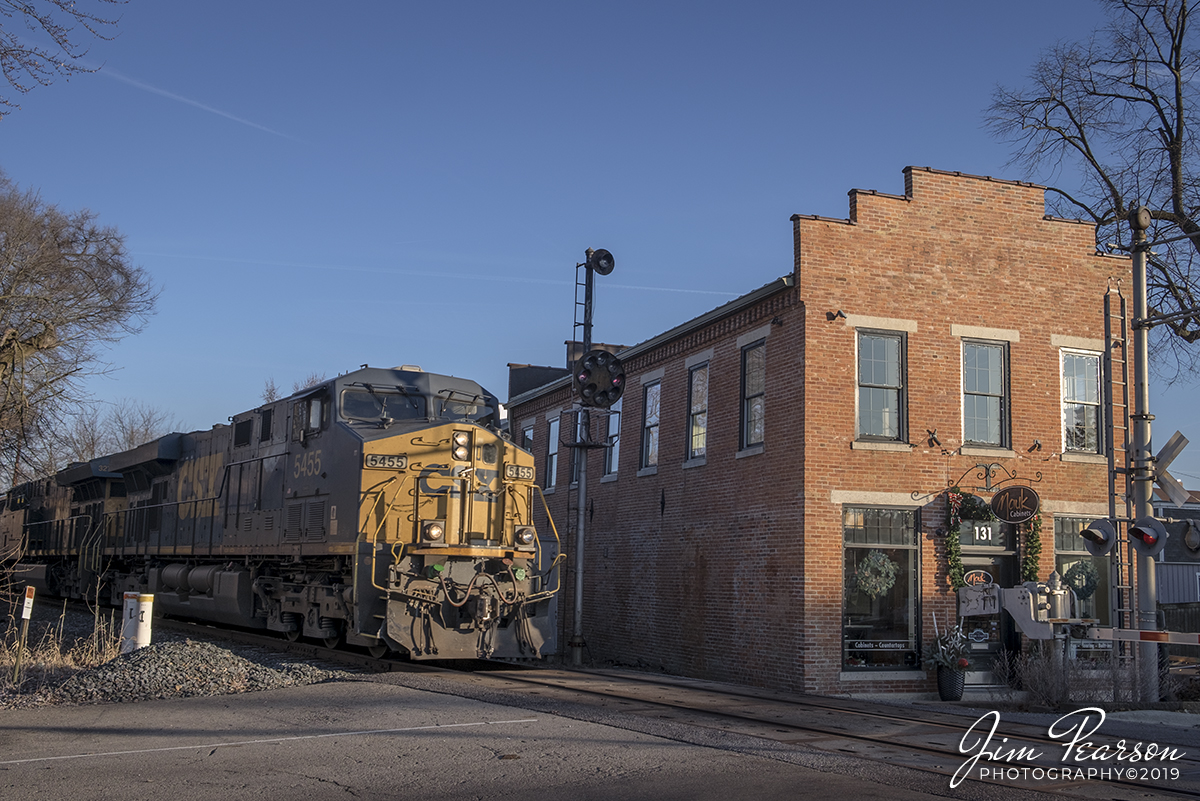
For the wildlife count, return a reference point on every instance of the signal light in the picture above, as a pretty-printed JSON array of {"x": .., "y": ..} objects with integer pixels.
[
  {"x": 1099, "y": 537},
  {"x": 601, "y": 261},
  {"x": 1148, "y": 536},
  {"x": 600, "y": 379}
]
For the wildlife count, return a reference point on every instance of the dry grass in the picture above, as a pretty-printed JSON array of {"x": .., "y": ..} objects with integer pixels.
[
  {"x": 1051, "y": 681},
  {"x": 51, "y": 653}
]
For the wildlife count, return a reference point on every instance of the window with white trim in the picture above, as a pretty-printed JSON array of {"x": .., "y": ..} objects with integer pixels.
[
  {"x": 881, "y": 390},
  {"x": 985, "y": 393},
  {"x": 754, "y": 390},
  {"x": 697, "y": 411},
  {"x": 651, "y": 397},
  {"x": 551, "y": 455},
  {"x": 1081, "y": 402},
  {"x": 612, "y": 453}
]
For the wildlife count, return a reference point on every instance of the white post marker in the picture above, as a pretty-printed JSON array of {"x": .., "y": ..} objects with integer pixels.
[
  {"x": 135, "y": 632},
  {"x": 27, "y": 610},
  {"x": 26, "y": 613}
]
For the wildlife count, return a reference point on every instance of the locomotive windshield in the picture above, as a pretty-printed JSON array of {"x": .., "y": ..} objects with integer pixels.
[{"x": 372, "y": 405}]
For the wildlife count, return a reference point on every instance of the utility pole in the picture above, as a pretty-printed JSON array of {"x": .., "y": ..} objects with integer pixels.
[{"x": 1141, "y": 461}]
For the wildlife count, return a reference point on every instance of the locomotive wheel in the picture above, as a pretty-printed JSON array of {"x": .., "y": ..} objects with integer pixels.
[
  {"x": 332, "y": 642},
  {"x": 378, "y": 651},
  {"x": 292, "y": 635}
]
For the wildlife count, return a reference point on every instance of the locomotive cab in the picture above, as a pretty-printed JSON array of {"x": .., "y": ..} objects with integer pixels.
[{"x": 445, "y": 521}]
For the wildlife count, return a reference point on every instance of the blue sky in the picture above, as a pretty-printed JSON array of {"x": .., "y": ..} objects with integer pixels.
[{"x": 316, "y": 186}]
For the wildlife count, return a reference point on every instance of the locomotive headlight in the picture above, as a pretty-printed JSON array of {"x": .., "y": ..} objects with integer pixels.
[
  {"x": 526, "y": 535},
  {"x": 434, "y": 531},
  {"x": 461, "y": 446}
]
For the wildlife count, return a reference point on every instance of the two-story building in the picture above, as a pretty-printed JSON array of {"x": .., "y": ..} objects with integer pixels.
[{"x": 772, "y": 506}]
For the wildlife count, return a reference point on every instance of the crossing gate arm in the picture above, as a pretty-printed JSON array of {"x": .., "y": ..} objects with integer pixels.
[{"x": 1136, "y": 635}]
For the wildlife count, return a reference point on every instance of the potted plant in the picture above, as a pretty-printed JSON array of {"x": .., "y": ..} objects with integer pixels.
[{"x": 949, "y": 655}]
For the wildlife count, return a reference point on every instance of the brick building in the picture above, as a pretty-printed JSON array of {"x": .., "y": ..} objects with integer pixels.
[{"x": 771, "y": 509}]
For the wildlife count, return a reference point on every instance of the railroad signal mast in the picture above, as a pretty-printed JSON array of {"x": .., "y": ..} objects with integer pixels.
[{"x": 599, "y": 378}]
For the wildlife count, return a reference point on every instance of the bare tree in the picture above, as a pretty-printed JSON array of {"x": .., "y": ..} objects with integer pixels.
[
  {"x": 26, "y": 64},
  {"x": 310, "y": 380},
  {"x": 67, "y": 289},
  {"x": 270, "y": 392},
  {"x": 1111, "y": 123},
  {"x": 133, "y": 423}
]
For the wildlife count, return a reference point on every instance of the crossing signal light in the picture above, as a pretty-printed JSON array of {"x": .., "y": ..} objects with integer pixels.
[
  {"x": 600, "y": 379},
  {"x": 1148, "y": 536},
  {"x": 1099, "y": 537}
]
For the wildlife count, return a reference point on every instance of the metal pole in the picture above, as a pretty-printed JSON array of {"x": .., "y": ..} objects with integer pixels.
[
  {"x": 582, "y": 427},
  {"x": 1142, "y": 461}
]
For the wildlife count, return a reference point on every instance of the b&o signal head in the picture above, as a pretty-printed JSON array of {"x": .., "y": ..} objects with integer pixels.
[{"x": 600, "y": 379}]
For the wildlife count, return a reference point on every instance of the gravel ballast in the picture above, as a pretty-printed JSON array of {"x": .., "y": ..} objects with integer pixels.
[{"x": 174, "y": 666}]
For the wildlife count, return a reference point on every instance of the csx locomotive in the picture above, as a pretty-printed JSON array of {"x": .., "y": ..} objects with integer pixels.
[{"x": 383, "y": 508}]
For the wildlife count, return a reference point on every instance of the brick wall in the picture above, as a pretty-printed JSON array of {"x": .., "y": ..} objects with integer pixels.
[{"x": 731, "y": 569}]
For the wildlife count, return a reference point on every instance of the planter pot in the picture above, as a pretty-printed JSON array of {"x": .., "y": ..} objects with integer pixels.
[{"x": 950, "y": 683}]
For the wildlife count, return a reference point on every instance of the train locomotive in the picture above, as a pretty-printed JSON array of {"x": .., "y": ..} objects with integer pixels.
[{"x": 383, "y": 508}]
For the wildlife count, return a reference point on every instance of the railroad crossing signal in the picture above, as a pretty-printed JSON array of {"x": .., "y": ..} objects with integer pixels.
[
  {"x": 1170, "y": 485},
  {"x": 1099, "y": 537},
  {"x": 1148, "y": 536}
]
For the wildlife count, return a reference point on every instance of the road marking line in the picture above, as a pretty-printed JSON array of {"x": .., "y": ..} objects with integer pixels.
[{"x": 270, "y": 740}]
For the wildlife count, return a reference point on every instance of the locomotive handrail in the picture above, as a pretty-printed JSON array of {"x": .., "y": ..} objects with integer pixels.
[
  {"x": 560, "y": 557},
  {"x": 381, "y": 489}
]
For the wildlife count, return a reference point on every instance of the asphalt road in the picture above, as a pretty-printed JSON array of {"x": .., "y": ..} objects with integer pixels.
[{"x": 370, "y": 740}]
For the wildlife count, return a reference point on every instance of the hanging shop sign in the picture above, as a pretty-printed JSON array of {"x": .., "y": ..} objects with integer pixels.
[{"x": 1015, "y": 504}]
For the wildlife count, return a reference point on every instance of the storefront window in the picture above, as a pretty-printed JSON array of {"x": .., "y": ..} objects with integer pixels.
[{"x": 880, "y": 607}]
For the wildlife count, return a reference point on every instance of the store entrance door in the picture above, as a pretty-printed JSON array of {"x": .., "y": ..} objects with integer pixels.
[{"x": 988, "y": 635}]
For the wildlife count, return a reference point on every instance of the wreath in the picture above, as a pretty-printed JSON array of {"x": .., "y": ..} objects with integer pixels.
[
  {"x": 1083, "y": 577},
  {"x": 876, "y": 574}
]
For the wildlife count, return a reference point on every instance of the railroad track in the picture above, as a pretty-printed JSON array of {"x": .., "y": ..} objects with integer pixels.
[{"x": 866, "y": 730}]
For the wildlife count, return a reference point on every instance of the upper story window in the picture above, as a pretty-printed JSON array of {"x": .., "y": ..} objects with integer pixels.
[
  {"x": 985, "y": 393},
  {"x": 697, "y": 411},
  {"x": 881, "y": 390},
  {"x": 754, "y": 390},
  {"x": 527, "y": 437},
  {"x": 1081, "y": 402},
  {"x": 552, "y": 455},
  {"x": 612, "y": 455},
  {"x": 651, "y": 397}
]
